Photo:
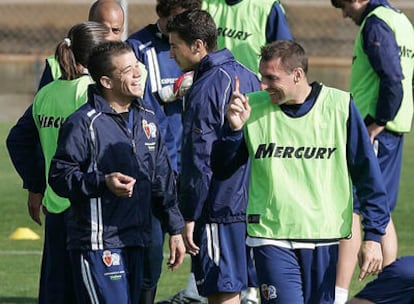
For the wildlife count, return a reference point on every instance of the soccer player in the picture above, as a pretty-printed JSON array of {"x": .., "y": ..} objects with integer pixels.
[
  {"x": 112, "y": 165},
  {"x": 381, "y": 85},
  {"x": 307, "y": 146},
  {"x": 266, "y": 23},
  {"x": 51, "y": 106},
  {"x": 214, "y": 210},
  {"x": 26, "y": 151}
]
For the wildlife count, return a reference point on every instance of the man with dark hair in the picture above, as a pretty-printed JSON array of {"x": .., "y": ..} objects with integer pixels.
[
  {"x": 306, "y": 145},
  {"x": 214, "y": 209},
  {"x": 381, "y": 85},
  {"x": 112, "y": 165},
  {"x": 26, "y": 153}
]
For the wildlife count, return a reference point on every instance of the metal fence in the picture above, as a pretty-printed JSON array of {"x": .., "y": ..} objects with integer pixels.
[{"x": 35, "y": 27}]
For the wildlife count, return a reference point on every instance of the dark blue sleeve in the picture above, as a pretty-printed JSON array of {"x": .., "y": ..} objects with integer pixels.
[
  {"x": 229, "y": 153},
  {"x": 23, "y": 144},
  {"x": 69, "y": 176},
  {"x": 383, "y": 53},
  {"x": 277, "y": 27},
  {"x": 47, "y": 76},
  {"x": 366, "y": 177},
  {"x": 164, "y": 194}
]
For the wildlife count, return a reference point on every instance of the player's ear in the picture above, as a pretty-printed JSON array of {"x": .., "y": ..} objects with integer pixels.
[
  {"x": 298, "y": 73},
  {"x": 198, "y": 46},
  {"x": 106, "y": 82}
]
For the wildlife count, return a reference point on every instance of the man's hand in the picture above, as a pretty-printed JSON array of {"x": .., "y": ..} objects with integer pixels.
[
  {"x": 34, "y": 204},
  {"x": 374, "y": 130},
  {"x": 370, "y": 259},
  {"x": 191, "y": 247},
  {"x": 239, "y": 109},
  {"x": 120, "y": 184},
  {"x": 177, "y": 251}
]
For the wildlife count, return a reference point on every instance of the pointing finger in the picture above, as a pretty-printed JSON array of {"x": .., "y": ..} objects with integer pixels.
[{"x": 236, "y": 85}]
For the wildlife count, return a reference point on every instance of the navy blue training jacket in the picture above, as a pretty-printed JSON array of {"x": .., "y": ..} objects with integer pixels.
[
  {"x": 95, "y": 141},
  {"x": 202, "y": 196},
  {"x": 153, "y": 50}
]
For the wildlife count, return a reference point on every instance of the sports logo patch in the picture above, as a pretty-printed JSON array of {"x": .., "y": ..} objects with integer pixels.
[
  {"x": 268, "y": 291},
  {"x": 110, "y": 258},
  {"x": 150, "y": 129}
]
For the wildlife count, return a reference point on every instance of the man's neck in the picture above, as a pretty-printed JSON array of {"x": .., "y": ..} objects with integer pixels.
[{"x": 119, "y": 107}]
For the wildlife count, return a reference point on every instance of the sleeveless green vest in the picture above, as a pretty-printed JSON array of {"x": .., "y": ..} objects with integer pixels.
[
  {"x": 51, "y": 106},
  {"x": 238, "y": 31},
  {"x": 54, "y": 66},
  {"x": 364, "y": 84},
  {"x": 299, "y": 188}
]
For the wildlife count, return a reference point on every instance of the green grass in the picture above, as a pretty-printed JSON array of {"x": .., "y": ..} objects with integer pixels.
[{"x": 20, "y": 260}]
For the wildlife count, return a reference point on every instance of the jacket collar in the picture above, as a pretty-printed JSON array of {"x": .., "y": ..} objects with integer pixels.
[
  {"x": 213, "y": 59},
  {"x": 99, "y": 103}
]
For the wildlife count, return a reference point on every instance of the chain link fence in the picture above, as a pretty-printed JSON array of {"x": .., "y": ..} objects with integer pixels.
[
  {"x": 31, "y": 29},
  {"x": 35, "y": 27}
]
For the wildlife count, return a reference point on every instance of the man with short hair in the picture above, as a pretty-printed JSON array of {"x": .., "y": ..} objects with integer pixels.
[
  {"x": 112, "y": 165},
  {"x": 306, "y": 145},
  {"x": 25, "y": 151},
  {"x": 214, "y": 209},
  {"x": 381, "y": 85}
]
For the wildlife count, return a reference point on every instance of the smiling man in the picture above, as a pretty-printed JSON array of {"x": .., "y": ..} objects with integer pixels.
[
  {"x": 214, "y": 210},
  {"x": 112, "y": 165},
  {"x": 300, "y": 207}
]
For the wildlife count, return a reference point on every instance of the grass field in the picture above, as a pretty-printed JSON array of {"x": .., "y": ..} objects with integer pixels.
[{"x": 20, "y": 260}]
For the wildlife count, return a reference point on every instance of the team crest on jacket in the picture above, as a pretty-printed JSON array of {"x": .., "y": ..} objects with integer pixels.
[
  {"x": 110, "y": 258},
  {"x": 150, "y": 129},
  {"x": 268, "y": 291}
]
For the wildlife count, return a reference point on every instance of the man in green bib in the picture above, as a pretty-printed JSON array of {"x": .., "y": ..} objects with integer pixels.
[
  {"x": 307, "y": 145},
  {"x": 267, "y": 23}
]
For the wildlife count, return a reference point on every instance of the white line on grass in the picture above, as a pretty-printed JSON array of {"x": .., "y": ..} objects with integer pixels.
[{"x": 20, "y": 252}]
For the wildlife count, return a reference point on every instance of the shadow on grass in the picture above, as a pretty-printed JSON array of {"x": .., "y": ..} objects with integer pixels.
[{"x": 17, "y": 300}]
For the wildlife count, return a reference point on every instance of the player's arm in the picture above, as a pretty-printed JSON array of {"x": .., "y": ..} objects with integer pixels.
[
  {"x": 370, "y": 189},
  {"x": 23, "y": 145},
  {"x": 277, "y": 27},
  {"x": 383, "y": 54}
]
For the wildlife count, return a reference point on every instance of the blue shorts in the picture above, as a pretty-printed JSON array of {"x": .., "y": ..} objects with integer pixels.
[
  {"x": 389, "y": 155},
  {"x": 55, "y": 275},
  {"x": 153, "y": 256},
  {"x": 221, "y": 265},
  {"x": 395, "y": 284},
  {"x": 108, "y": 276},
  {"x": 289, "y": 276}
]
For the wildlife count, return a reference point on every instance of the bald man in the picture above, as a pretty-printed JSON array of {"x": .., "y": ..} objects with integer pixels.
[{"x": 110, "y": 13}]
